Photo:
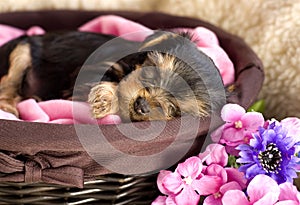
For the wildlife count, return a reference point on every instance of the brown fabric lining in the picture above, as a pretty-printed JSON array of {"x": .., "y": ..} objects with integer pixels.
[{"x": 55, "y": 150}]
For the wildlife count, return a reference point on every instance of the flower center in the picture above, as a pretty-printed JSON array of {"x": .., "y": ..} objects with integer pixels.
[
  {"x": 217, "y": 195},
  {"x": 238, "y": 124},
  {"x": 188, "y": 180},
  {"x": 270, "y": 159}
]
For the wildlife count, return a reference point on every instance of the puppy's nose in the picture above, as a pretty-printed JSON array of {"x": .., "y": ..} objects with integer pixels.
[{"x": 141, "y": 106}]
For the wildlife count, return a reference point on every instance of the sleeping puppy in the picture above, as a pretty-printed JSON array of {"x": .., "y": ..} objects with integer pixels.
[{"x": 165, "y": 78}]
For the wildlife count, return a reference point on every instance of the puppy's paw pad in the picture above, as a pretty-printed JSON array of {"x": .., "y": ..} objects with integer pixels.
[
  {"x": 102, "y": 99},
  {"x": 100, "y": 108}
]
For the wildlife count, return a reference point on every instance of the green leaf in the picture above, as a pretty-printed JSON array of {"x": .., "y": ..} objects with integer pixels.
[
  {"x": 258, "y": 106},
  {"x": 232, "y": 162}
]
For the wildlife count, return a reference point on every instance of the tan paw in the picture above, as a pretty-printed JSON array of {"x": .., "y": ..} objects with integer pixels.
[
  {"x": 103, "y": 99},
  {"x": 9, "y": 106}
]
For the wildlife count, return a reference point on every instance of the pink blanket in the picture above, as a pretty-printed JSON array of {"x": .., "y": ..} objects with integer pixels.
[
  {"x": 58, "y": 111},
  {"x": 68, "y": 112}
]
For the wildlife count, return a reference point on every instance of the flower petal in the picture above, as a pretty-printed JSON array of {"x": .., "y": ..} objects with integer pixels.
[
  {"x": 243, "y": 147},
  {"x": 280, "y": 177},
  {"x": 234, "y": 175},
  {"x": 170, "y": 200},
  {"x": 263, "y": 190},
  {"x": 289, "y": 142},
  {"x": 244, "y": 168},
  {"x": 292, "y": 124},
  {"x": 207, "y": 185},
  {"x": 290, "y": 174},
  {"x": 256, "y": 141},
  {"x": 232, "y": 112},
  {"x": 187, "y": 197},
  {"x": 231, "y": 135},
  {"x": 232, "y": 150},
  {"x": 172, "y": 183},
  {"x": 214, "y": 154},
  {"x": 160, "y": 200},
  {"x": 217, "y": 170},
  {"x": 235, "y": 197},
  {"x": 254, "y": 170},
  {"x": 212, "y": 200},
  {"x": 288, "y": 202},
  {"x": 191, "y": 167},
  {"x": 289, "y": 192},
  {"x": 163, "y": 200},
  {"x": 268, "y": 199},
  {"x": 246, "y": 157},
  {"x": 230, "y": 186},
  {"x": 252, "y": 120},
  {"x": 217, "y": 134},
  {"x": 269, "y": 136},
  {"x": 160, "y": 178}
]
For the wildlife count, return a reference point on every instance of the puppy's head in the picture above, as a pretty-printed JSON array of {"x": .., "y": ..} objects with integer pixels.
[
  {"x": 156, "y": 92},
  {"x": 170, "y": 82}
]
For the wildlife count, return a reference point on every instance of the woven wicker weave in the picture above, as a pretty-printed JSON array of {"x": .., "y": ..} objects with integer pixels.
[{"x": 107, "y": 189}]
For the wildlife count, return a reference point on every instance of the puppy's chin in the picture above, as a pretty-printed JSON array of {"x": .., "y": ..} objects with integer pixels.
[{"x": 155, "y": 114}]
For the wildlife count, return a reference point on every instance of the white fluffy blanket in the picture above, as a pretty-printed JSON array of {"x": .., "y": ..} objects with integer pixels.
[{"x": 270, "y": 27}]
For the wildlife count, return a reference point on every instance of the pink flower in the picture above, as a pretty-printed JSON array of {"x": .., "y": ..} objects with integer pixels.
[
  {"x": 160, "y": 186},
  {"x": 228, "y": 182},
  {"x": 216, "y": 198},
  {"x": 236, "y": 176},
  {"x": 289, "y": 194},
  {"x": 187, "y": 183},
  {"x": 238, "y": 126},
  {"x": 192, "y": 179},
  {"x": 160, "y": 200},
  {"x": 214, "y": 154},
  {"x": 164, "y": 200},
  {"x": 263, "y": 190},
  {"x": 292, "y": 124}
]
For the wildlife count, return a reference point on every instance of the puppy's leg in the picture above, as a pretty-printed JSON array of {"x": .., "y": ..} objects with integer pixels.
[
  {"x": 103, "y": 99},
  {"x": 20, "y": 60}
]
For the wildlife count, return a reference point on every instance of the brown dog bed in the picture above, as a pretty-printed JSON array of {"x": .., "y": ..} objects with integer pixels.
[{"x": 39, "y": 163}]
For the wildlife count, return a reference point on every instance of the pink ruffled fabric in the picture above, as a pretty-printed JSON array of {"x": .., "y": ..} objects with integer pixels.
[
  {"x": 62, "y": 111},
  {"x": 117, "y": 26},
  {"x": 205, "y": 39},
  {"x": 8, "y": 33}
]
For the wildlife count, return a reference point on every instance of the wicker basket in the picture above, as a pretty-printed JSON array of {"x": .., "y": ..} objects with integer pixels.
[
  {"x": 107, "y": 189},
  {"x": 100, "y": 185}
]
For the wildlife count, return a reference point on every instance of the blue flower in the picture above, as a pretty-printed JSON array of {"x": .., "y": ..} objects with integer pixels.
[{"x": 270, "y": 152}]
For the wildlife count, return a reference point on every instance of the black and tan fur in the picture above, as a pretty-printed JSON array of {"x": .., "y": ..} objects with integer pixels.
[{"x": 164, "y": 79}]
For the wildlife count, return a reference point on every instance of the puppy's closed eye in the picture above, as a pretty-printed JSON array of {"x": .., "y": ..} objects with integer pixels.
[{"x": 150, "y": 76}]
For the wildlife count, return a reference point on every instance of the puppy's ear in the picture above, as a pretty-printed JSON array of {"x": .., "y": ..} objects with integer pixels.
[
  {"x": 172, "y": 33},
  {"x": 170, "y": 41},
  {"x": 137, "y": 58},
  {"x": 158, "y": 40},
  {"x": 185, "y": 34}
]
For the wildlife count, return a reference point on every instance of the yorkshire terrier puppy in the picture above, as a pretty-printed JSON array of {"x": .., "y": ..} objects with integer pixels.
[{"x": 165, "y": 78}]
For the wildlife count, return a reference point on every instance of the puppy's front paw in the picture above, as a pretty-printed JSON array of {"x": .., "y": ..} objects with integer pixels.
[
  {"x": 9, "y": 106},
  {"x": 103, "y": 99}
]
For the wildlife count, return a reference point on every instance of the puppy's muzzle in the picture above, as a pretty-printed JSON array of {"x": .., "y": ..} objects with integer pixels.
[{"x": 141, "y": 106}]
